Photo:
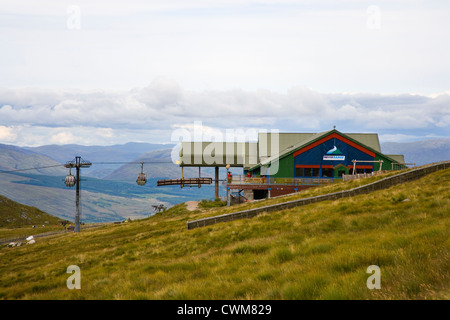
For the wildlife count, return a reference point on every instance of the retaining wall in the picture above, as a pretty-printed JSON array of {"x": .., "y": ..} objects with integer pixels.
[{"x": 377, "y": 185}]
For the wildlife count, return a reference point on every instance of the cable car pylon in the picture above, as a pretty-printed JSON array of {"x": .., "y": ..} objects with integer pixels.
[{"x": 70, "y": 181}]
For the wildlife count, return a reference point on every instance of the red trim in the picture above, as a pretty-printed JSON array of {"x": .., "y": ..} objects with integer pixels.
[
  {"x": 315, "y": 166},
  {"x": 337, "y": 136},
  {"x": 360, "y": 167},
  {"x": 329, "y": 166}
]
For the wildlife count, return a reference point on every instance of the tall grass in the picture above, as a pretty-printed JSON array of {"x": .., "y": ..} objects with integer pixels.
[{"x": 318, "y": 251}]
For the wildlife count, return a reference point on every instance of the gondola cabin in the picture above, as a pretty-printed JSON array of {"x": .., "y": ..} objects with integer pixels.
[
  {"x": 70, "y": 180},
  {"x": 141, "y": 179}
]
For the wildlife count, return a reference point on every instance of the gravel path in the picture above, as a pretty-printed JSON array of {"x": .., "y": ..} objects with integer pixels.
[{"x": 192, "y": 205}]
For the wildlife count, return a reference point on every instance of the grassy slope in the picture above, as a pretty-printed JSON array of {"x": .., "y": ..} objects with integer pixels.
[
  {"x": 101, "y": 200},
  {"x": 16, "y": 215},
  {"x": 16, "y": 220},
  {"x": 319, "y": 251}
]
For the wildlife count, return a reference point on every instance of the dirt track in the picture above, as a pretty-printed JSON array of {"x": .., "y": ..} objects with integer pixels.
[{"x": 192, "y": 205}]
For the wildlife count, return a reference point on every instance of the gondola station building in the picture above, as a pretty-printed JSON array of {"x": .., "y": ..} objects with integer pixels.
[{"x": 282, "y": 163}]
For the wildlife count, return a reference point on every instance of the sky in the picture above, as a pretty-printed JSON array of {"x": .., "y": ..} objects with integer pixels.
[{"x": 111, "y": 72}]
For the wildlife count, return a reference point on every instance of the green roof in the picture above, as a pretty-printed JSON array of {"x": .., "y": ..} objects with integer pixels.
[{"x": 397, "y": 157}]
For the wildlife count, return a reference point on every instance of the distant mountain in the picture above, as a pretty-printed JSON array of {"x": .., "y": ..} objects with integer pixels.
[
  {"x": 14, "y": 158},
  {"x": 420, "y": 152},
  {"x": 14, "y": 214},
  {"x": 157, "y": 164},
  {"x": 119, "y": 152},
  {"x": 102, "y": 200},
  {"x": 98, "y": 155}
]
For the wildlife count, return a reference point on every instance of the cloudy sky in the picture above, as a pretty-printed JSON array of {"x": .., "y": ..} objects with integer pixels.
[{"x": 109, "y": 72}]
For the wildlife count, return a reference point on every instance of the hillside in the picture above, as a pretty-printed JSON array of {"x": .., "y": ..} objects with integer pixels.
[
  {"x": 16, "y": 215},
  {"x": 165, "y": 170},
  {"x": 317, "y": 251},
  {"x": 102, "y": 200},
  {"x": 420, "y": 152},
  {"x": 13, "y": 158},
  {"x": 98, "y": 154}
]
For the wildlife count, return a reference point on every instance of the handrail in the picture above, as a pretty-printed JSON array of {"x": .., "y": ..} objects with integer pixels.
[{"x": 243, "y": 180}]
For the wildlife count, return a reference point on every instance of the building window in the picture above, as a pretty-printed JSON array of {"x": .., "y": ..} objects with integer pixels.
[
  {"x": 327, "y": 172},
  {"x": 311, "y": 172},
  {"x": 315, "y": 172},
  {"x": 307, "y": 172}
]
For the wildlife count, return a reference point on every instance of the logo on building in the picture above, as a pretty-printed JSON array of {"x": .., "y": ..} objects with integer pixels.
[{"x": 334, "y": 154}]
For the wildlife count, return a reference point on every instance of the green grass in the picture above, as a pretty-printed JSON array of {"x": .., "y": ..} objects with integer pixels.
[
  {"x": 317, "y": 251},
  {"x": 16, "y": 215},
  {"x": 208, "y": 204},
  {"x": 17, "y": 220}
]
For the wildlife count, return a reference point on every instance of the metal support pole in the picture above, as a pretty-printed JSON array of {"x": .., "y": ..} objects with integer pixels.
[
  {"x": 216, "y": 187},
  {"x": 77, "y": 197},
  {"x": 181, "y": 185},
  {"x": 77, "y": 163}
]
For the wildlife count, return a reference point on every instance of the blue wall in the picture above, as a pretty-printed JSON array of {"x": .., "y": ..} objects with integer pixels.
[{"x": 315, "y": 155}]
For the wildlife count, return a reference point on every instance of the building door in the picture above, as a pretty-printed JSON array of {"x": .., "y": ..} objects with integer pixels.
[
  {"x": 339, "y": 170},
  {"x": 260, "y": 194}
]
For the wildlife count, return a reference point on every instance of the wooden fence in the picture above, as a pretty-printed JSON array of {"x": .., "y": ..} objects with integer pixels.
[
  {"x": 243, "y": 180},
  {"x": 377, "y": 185},
  {"x": 349, "y": 177},
  {"x": 189, "y": 181}
]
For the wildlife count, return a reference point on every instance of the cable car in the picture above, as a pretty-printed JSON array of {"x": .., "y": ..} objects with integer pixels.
[
  {"x": 142, "y": 177},
  {"x": 70, "y": 180}
]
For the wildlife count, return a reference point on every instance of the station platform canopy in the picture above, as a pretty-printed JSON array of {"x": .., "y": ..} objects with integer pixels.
[{"x": 219, "y": 154}]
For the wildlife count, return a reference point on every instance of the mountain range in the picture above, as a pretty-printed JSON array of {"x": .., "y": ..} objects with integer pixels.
[
  {"x": 106, "y": 158},
  {"x": 420, "y": 152},
  {"x": 109, "y": 191},
  {"x": 15, "y": 158}
]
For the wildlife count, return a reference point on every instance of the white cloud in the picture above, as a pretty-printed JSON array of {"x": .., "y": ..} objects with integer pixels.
[
  {"x": 105, "y": 132},
  {"x": 64, "y": 137},
  {"x": 7, "y": 134},
  {"x": 399, "y": 138},
  {"x": 107, "y": 117}
]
